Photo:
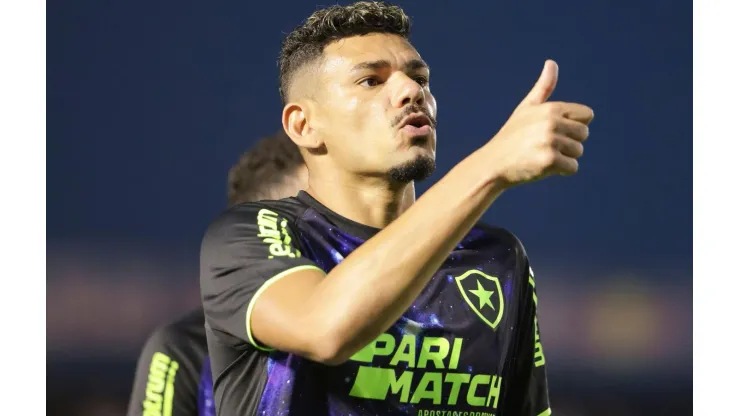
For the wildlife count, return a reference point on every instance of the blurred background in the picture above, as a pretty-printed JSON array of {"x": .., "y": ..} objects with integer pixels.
[{"x": 150, "y": 102}]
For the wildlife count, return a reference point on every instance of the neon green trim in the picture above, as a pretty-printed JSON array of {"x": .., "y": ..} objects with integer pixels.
[
  {"x": 534, "y": 295},
  {"x": 547, "y": 412},
  {"x": 264, "y": 286}
]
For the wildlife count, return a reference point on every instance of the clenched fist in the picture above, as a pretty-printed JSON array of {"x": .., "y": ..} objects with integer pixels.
[{"x": 540, "y": 138}]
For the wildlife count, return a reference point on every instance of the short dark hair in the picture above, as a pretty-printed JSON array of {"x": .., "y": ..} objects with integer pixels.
[
  {"x": 306, "y": 42},
  {"x": 266, "y": 165}
]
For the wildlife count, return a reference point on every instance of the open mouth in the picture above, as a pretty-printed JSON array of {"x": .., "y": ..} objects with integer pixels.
[
  {"x": 417, "y": 121},
  {"x": 417, "y": 125}
]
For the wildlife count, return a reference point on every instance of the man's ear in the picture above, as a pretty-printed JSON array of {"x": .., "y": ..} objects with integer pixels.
[{"x": 297, "y": 124}]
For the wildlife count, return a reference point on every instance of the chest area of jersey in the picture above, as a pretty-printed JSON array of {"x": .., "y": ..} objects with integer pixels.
[
  {"x": 462, "y": 321},
  {"x": 459, "y": 328}
]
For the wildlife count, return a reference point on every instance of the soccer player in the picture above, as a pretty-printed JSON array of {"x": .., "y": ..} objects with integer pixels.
[
  {"x": 173, "y": 376},
  {"x": 353, "y": 298}
]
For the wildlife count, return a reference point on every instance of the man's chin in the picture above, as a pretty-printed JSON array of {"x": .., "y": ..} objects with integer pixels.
[{"x": 418, "y": 168}]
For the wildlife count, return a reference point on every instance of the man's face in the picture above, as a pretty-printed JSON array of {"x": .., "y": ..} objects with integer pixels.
[{"x": 375, "y": 111}]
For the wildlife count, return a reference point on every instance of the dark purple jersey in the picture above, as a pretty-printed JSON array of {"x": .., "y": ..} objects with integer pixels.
[
  {"x": 468, "y": 346},
  {"x": 173, "y": 376}
]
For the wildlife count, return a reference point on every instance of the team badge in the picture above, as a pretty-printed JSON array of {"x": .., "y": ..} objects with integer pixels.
[{"x": 483, "y": 294}]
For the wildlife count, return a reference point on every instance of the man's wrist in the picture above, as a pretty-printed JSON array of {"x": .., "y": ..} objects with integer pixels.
[{"x": 489, "y": 167}]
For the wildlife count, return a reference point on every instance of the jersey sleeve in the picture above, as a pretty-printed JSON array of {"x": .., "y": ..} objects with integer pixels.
[
  {"x": 529, "y": 394},
  {"x": 167, "y": 376},
  {"x": 244, "y": 251}
]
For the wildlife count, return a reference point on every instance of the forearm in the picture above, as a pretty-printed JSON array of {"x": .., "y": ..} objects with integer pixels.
[{"x": 366, "y": 293}]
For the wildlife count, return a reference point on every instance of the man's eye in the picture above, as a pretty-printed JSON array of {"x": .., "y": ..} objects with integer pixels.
[
  {"x": 370, "y": 82},
  {"x": 423, "y": 81}
]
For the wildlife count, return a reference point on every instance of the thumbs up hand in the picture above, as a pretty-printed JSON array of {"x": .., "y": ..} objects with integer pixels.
[{"x": 540, "y": 138}]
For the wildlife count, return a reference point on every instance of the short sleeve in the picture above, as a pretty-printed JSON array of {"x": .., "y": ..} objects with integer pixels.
[
  {"x": 244, "y": 251},
  {"x": 529, "y": 395},
  {"x": 167, "y": 376}
]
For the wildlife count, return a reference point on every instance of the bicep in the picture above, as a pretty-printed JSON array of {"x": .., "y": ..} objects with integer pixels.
[{"x": 277, "y": 315}]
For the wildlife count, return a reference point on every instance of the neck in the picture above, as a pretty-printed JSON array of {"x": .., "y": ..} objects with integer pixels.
[{"x": 369, "y": 201}]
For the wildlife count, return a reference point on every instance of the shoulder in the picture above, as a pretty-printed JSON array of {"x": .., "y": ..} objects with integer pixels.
[
  {"x": 177, "y": 337},
  {"x": 251, "y": 214},
  {"x": 179, "y": 345},
  {"x": 508, "y": 252},
  {"x": 246, "y": 236},
  {"x": 499, "y": 236},
  {"x": 251, "y": 222}
]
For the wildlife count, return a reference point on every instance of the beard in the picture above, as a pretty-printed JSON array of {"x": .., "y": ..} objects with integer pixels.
[{"x": 415, "y": 170}]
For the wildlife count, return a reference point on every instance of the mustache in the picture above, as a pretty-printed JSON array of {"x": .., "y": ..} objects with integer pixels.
[{"x": 411, "y": 109}]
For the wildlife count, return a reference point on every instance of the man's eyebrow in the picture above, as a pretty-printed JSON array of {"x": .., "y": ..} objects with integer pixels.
[
  {"x": 415, "y": 64},
  {"x": 379, "y": 64},
  {"x": 412, "y": 65}
]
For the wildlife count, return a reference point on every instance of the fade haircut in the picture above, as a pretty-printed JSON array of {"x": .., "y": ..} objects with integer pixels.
[
  {"x": 305, "y": 44},
  {"x": 270, "y": 164}
]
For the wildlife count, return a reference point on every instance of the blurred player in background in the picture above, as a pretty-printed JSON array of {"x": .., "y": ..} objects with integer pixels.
[
  {"x": 355, "y": 299},
  {"x": 173, "y": 376}
]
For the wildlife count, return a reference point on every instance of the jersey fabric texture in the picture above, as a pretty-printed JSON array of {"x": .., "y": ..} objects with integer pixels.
[
  {"x": 173, "y": 376},
  {"x": 468, "y": 346}
]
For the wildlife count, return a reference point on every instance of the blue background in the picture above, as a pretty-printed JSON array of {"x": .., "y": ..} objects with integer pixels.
[{"x": 150, "y": 103}]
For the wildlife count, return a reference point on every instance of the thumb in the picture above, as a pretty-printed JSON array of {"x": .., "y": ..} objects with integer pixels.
[{"x": 544, "y": 86}]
